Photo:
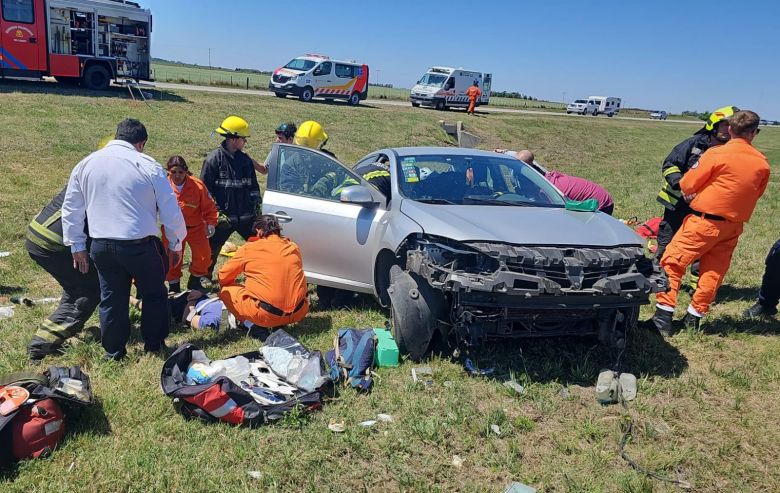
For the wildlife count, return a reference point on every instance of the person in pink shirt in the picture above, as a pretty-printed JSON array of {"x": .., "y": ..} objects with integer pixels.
[{"x": 573, "y": 187}]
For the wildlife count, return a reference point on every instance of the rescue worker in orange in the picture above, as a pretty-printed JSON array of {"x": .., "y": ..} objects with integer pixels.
[
  {"x": 275, "y": 290},
  {"x": 473, "y": 92},
  {"x": 200, "y": 216},
  {"x": 722, "y": 189}
]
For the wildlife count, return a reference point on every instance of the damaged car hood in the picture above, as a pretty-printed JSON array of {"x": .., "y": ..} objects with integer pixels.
[{"x": 519, "y": 225}]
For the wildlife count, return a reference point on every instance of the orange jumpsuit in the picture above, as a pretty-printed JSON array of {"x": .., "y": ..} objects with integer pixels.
[
  {"x": 728, "y": 181},
  {"x": 199, "y": 210},
  {"x": 275, "y": 292},
  {"x": 473, "y": 93}
]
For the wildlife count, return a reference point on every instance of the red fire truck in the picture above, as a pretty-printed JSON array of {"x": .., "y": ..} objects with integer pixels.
[{"x": 76, "y": 41}]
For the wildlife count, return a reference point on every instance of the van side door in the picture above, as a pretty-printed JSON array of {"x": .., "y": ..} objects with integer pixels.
[
  {"x": 322, "y": 78},
  {"x": 22, "y": 37},
  {"x": 487, "y": 82}
]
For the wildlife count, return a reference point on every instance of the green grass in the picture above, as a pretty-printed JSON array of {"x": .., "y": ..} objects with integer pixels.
[{"x": 708, "y": 401}]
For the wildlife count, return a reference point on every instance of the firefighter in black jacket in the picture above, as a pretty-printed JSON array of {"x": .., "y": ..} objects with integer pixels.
[
  {"x": 682, "y": 158},
  {"x": 229, "y": 175},
  {"x": 81, "y": 292}
]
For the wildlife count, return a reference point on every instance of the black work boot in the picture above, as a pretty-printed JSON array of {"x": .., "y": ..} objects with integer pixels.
[
  {"x": 662, "y": 320},
  {"x": 174, "y": 287},
  {"x": 759, "y": 311},
  {"x": 201, "y": 283},
  {"x": 691, "y": 321}
]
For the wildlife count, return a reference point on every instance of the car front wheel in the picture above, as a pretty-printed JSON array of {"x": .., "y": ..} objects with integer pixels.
[{"x": 414, "y": 307}]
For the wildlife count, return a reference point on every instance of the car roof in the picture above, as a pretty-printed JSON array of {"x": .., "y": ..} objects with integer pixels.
[{"x": 446, "y": 151}]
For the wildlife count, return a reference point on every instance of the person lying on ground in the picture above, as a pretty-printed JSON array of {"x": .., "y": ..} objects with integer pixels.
[
  {"x": 573, "y": 187},
  {"x": 274, "y": 293}
]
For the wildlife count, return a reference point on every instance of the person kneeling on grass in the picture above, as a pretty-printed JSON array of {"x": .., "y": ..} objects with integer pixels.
[{"x": 275, "y": 290}]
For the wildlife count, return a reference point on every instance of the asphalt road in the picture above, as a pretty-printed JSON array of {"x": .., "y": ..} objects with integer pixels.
[{"x": 389, "y": 102}]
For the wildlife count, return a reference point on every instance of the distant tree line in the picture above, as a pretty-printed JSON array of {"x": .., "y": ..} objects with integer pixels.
[
  {"x": 697, "y": 114},
  {"x": 380, "y": 85},
  {"x": 513, "y": 95}
]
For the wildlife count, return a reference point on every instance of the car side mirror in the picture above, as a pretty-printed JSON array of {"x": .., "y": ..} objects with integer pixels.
[{"x": 357, "y": 194}]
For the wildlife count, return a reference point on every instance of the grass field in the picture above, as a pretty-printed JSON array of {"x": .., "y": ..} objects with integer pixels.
[{"x": 708, "y": 404}]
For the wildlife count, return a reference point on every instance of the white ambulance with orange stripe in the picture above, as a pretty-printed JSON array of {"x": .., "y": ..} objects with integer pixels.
[{"x": 317, "y": 76}]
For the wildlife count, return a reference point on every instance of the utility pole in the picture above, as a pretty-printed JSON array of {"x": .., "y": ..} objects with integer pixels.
[{"x": 209, "y": 58}]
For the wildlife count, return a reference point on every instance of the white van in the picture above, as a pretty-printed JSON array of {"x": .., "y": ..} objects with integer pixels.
[
  {"x": 445, "y": 87},
  {"x": 317, "y": 76},
  {"x": 601, "y": 104}
]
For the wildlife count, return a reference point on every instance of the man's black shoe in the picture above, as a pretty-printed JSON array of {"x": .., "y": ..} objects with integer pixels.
[
  {"x": 662, "y": 321},
  {"x": 691, "y": 321},
  {"x": 759, "y": 311}
]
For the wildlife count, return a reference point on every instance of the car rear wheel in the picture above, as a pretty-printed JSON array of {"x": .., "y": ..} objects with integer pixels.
[
  {"x": 416, "y": 105},
  {"x": 306, "y": 94},
  {"x": 414, "y": 306},
  {"x": 354, "y": 99},
  {"x": 440, "y": 105}
]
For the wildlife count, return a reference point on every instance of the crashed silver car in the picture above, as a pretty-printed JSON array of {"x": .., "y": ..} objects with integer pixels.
[{"x": 462, "y": 244}]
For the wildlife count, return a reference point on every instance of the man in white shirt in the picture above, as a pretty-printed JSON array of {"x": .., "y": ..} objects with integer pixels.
[{"x": 119, "y": 192}]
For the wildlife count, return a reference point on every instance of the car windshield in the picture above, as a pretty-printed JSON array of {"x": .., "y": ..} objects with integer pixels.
[
  {"x": 580, "y": 101},
  {"x": 433, "y": 80},
  {"x": 474, "y": 180},
  {"x": 301, "y": 64}
]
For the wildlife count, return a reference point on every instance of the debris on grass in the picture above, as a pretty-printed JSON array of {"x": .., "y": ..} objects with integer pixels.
[
  {"x": 255, "y": 474},
  {"x": 5, "y": 254},
  {"x": 564, "y": 393},
  {"x": 495, "y": 429},
  {"x": 387, "y": 418},
  {"x": 515, "y": 487},
  {"x": 474, "y": 371},
  {"x": 512, "y": 384},
  {"x": 6, "y": 312},
  {"x": 337, "y": 427},
  {"x": 368, "y": 424},
  {"x": 423, "y": 374},
  {"x": 457, "y": 461},
  {"x": 31, "y": 302},
  {"x": 449, "y": 384}
]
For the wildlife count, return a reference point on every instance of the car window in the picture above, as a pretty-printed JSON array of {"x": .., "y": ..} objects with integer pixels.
[
  {"x": 305, "y": 172},
  {"x": 366, "y": 160},
  {"x": 345, "y": 71},
  {"x": 323, "y": 69},
  {"x": 300, "y": 64},
  {"x": 474, "y": 179},
  {"x": 18, "y": 11}
]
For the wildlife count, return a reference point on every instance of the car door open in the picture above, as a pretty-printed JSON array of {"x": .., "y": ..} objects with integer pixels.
[{"x": 304, "y": 191}]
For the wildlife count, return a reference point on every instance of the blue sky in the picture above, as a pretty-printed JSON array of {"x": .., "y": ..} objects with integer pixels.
[{"x": 659, "y": 54}]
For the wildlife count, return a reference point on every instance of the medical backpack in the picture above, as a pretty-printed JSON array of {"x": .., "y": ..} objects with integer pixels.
[{"x": 37, "y": 425}]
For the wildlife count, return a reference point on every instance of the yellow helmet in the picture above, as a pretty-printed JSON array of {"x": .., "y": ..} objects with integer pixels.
[
  {"x": 719, "y": 115},
  {"x": 233, "y": 126},
  {"x": 310, "y": 134}
]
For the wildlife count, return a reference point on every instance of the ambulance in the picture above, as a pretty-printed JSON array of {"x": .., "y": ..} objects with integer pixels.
[
  {"x": 445, "y": 87},
  {"x": 88, "y": 42},
  {"x": 318, "y": 76}
]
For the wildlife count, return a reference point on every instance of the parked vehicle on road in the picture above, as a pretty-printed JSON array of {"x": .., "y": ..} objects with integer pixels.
[
  {"x": 659, "y": 115},
  {"x": 445, "y": 87},
  {"x": 88, "y": 42},
  {"x": 317, "y": 76},
  {"x": 577, "y": 106},
  {"x": 468, "y": 245}
]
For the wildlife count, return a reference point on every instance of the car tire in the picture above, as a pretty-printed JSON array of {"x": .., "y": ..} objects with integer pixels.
[
  {"x": 440, "y": 105},
  {"x": 280, "y": 95},
  {"x": 416, "y": 105},
  {"x": 96, "y": 77},
  {"x": 414, "y": 307},
  {"x": 610, "y": 115},
  {"x": 354, "y": 99},
  {"x": 568, "y": 112},
  {"x": 595, "y": 113},
  {"x": 306, "y": 94}
]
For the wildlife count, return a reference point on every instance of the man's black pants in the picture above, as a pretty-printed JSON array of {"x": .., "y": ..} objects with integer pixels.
[
  {"x": 769, "y": 295},
  {"x": 80, "y": 297},
  {"x": 120, "y": 263},
  {"x": 242, "y": 226}
]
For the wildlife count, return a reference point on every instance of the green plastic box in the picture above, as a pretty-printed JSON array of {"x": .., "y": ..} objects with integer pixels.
[{"x": 386, "y": 352}]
